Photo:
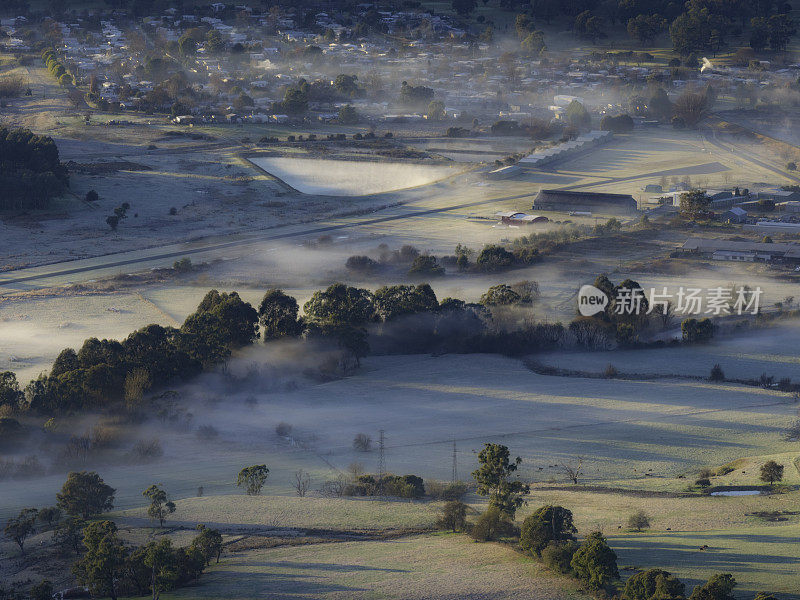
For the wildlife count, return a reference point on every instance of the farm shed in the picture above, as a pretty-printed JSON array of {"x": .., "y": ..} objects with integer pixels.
[
  {"x": 519, "y": 218},
  {"x": 742, "y": 251},
  {"x": 565, "y": 200}
]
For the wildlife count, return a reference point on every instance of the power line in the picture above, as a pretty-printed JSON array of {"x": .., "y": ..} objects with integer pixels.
[{"x": 381, "y": 461}]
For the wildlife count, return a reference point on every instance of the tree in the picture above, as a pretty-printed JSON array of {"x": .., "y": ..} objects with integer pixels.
[
  {"x": 92, "y": 196},
  {"x": 252, "y": 479},
  {"x": 493, "y": 523},
  {"x": 639, "y": 520},
  {"x": 645, "y": 28},
  {"x": 160, "y": 506},
  {"x": 546, "y": 524},
  {"x": 426, "y": 265},
  {"x": 160, "y": 557},
  {"x": 595, "y": 563},
  {"x": 577, "y": 115},
  {"x": 771, "y": 472},
  {"x": 500, "y": 295},
  {"x": 101, "y": 567},
  {"x": 340, "y": 305},
  {"x": 694, "y": 204},
  {"x": 187, "y": 46},
  {"x": 464, "y": 7},
  {"x": 781, "y": 29},
  {"x": 209, "y": 542},
  {"x": 718, "y": 587},
  {"x": 696, "y": 331},
  {"x": 454, "y": 516},
  {"x": 302, "y": 481},
  {"x": 533, "y": 44},
  {"x": 112, "y": 221},
  {"x": 50, "y": 515},
  {"x": 436, "y": 111},
  {"x": 659, "y": 105},
  {"x": 691, "y": 107},
  {"x": 759, "y": 33},
  {"x": 494, "y": 258},
  {"x": 42, "y": 590},
  {"x": 692, "y": 31},
  {"x": 716, "y": 374},
  {"x": 348, "y": 115},
  {"x": 10, "y": 394},
  {"x": 493, "y": 475},
  {"x": 85, "y": 495},
  {"x": 653, "y": 584},
  {"x": 523, "y": 24},
  {"x": 21, "y": 527},
  {"x": 277, "y": 315},
  {"x": 237, "y": 319},
  {"x": 69, "y": 534},
  {"x": 347, "y": 85},
  {"x": 396, "y": 301}
]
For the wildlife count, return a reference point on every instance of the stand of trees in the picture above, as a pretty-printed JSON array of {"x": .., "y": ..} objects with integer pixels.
[{"x": 31, "y": 173}]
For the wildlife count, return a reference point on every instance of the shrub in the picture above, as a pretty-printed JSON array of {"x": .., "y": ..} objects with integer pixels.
[
  {"x": 717, "y": 374},
  {"x": 703, "y": 482},
  {"x": 445, "y": 491},
  {"x": 426, "y": 265},
  {"x": 610, "y": 371},
  {"x": 283, "y": 429},
  {"x": 557, "y": 556},
  {"x": 147, "y": 451},
  {"x": 653, "y": 584},
  {"x": 361, "y": 264},
  {"x": 492, "y": 525}
]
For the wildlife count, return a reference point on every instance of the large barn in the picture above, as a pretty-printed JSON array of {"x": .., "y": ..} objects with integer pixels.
[{"x": 564, "y": 200}]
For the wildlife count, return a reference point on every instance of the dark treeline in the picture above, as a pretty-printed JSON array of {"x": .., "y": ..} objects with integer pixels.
[
  {"x": 30, "y": 170},
  {"x": 354, "y": 321}
]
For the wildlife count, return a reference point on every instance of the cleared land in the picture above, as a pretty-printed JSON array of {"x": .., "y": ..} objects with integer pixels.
[{"x": 442, "y": 567}]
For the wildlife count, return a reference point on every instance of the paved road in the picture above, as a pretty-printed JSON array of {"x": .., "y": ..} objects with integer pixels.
[{"x": 60, "y": 273}]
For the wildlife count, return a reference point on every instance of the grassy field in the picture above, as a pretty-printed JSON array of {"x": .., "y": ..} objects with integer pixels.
[
  {"x": 357, "y": 514},
  {"x": 435, "y": 566},
  {"x": 760, "y": 558}
]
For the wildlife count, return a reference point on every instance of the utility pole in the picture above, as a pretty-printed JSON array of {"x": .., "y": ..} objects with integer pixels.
[{"x": 455, "y": 464}]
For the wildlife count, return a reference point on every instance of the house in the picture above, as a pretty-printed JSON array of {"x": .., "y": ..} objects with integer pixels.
[
  {"x": 735, "y": 215},
  {"x": 565, "y": 200}
]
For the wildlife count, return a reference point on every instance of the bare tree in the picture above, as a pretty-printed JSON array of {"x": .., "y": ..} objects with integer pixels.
[
  {"x": 302, "y": 481},
  {"x": 690, "y": 107},
  {"x": 572, "y": 470},
  {"x": 665, "y": 313},
  {"x": 362, "y": 442}
]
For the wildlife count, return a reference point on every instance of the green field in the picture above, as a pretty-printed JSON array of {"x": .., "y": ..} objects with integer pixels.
[{"x": 431, "y": 566}]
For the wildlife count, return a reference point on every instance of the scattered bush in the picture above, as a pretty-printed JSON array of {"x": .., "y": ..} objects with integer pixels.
[
  {"x": 283, "y": 429},
  {"x": 445, "y": 491},
  {"x": 717, "y": 374},
  {"x": 595, "y": 563},
  {"x": 653, "y": 584}
]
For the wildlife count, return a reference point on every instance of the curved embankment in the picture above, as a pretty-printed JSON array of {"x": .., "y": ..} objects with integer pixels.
[{"x": 330, "y": 177}]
